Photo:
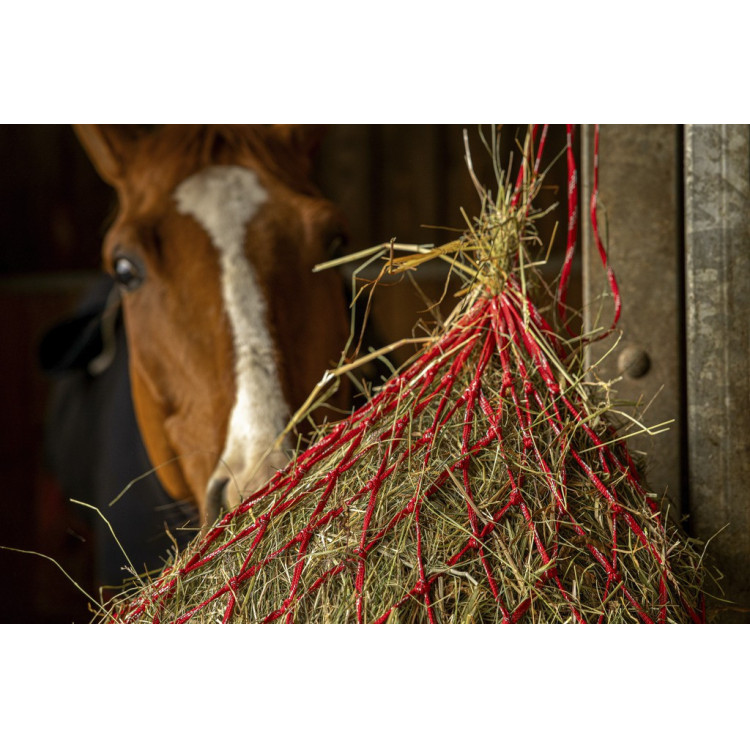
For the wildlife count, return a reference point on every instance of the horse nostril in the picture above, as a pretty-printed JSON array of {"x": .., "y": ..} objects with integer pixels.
[{"x": 215, "y": 498}]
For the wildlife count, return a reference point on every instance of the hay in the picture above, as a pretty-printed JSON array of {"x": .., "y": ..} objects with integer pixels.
[{"x": 485, "y": 482}]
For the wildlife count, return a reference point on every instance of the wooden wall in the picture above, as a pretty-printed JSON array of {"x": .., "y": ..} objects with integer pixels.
[{"x": 51, "y": 224}]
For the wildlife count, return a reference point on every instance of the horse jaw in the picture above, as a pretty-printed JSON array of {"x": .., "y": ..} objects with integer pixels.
[{"x": 224, "y": 200}]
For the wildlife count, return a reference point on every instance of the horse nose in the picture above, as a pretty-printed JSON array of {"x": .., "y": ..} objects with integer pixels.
[{"x": 233, "y": 481}]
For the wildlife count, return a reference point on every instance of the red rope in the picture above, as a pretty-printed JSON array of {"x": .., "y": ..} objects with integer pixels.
[
  {"x": 572, "y": 236},
  {"x": 570, "y": 246},
  {"x": 598, "y": 240}
]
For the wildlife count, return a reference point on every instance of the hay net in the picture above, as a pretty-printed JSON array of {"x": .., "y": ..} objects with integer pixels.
[{"x": 485, "y": 482}]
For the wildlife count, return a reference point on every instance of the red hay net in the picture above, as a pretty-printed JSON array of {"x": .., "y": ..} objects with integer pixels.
[{"x": 503, "y": 353}]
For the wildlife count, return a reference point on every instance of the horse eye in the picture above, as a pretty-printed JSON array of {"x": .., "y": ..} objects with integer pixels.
[{"x": 128, "y": 273}]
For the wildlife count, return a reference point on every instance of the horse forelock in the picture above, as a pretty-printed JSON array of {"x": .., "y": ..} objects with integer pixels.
[{"x": 190, "y": 148}]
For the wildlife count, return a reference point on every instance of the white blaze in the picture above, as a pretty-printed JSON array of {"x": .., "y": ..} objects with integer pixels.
[{"x": 224, "y": 199}]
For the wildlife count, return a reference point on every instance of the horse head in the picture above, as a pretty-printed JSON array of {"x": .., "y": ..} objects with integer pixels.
[{"x": 228, "y": 329}]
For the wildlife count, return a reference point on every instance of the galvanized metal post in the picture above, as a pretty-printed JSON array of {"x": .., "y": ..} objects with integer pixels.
[
  {"x": 640, "y": 209},
  {"x": 717, "y": 233}
]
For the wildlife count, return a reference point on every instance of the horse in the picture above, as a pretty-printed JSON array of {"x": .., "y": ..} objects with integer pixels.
[{"x": 227, "y": 328}]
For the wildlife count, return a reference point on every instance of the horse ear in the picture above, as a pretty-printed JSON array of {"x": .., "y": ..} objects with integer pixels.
[
  {"x": 302, "y": 139},
  {"x": 109, "y": 148}
]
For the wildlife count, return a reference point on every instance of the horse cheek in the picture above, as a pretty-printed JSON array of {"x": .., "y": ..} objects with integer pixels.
[{"x": 151, "y": 418}]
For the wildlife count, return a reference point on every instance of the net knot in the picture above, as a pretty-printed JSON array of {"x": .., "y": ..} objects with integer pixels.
[
  {"x": 421, "y": 588},
  {"x": 549, "y": 573},
  {"x": 553, "y": 385},
  {"x": 401, "y": 423},
  {"x": 373, "y": 484}
]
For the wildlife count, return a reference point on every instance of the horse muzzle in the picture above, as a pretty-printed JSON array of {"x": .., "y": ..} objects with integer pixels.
[{"x": 230, "y": 485}]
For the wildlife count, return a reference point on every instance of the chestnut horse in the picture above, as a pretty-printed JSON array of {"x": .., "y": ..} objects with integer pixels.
[{"x": 228, "y": 329}]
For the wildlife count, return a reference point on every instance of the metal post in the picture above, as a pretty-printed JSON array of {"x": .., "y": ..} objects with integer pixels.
[{"x": 717, "y": 233}]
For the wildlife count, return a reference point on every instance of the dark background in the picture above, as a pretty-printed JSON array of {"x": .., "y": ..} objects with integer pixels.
[{"x": 390, "y": 181}]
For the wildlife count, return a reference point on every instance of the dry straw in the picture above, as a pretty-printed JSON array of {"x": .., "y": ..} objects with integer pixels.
[{"x": 485, "y": 482}]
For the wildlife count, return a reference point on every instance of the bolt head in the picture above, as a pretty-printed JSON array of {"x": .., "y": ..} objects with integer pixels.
[{"x": 633, "y": 362}]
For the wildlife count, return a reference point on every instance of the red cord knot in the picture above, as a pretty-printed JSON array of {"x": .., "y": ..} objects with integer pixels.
[
  {"x": 528, "y": 388},
  {"x": 373, "y": 484},
  {"x": 515, "y": 496},
  {"x": 549, "y": 573},
  {"x": 473, "y": 544},
  {"x": 507, "y": 382},
  {"x": 471, "y": 389},
  {"x": 421, "y": 588},
  {"x": 333, "y": 475},
  {"x": 528, "y": 443},
  {"x": 411, "y": 505},
  {"x": 400, "y": 424}
]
